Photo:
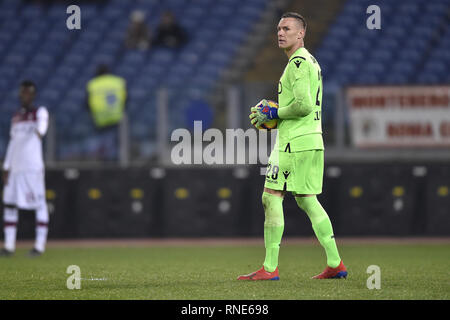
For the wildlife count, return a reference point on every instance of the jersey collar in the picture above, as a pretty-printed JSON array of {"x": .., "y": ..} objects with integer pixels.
[{"x": 297, "y": 52}]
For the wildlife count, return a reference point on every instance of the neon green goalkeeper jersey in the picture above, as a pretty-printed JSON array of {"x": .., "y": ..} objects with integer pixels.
[{"x": 300, "y": 103}]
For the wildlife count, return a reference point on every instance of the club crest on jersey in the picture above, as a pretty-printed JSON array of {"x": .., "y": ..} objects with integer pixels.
[{"x": 297, "y": 60}]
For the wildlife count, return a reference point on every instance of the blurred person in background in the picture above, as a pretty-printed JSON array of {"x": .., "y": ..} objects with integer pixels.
[
  {"x": 23, "y": 171},
  {"x": 106, "y": 101},
  {"x": 169, "y": 33},
  {"x": 297, "y": 160},
  {"x": 138, "y": 34}
]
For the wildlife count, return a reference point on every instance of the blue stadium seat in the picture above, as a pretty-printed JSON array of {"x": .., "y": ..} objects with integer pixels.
[
  {"x": 437, "y": 7},
  {"x": 88, "y": 10},
  {"x": 162, "y": 56},
  {"x": 153, "y": 70},
  {"x": 332, "y": 44},
  {"x": 222, "y": 11},
  {"x": 347, "y": 68},
  {"x": 445, "y": 41},
  {"x": 137, "y": 93},
  {"x": 196, "y": 46},
  {"x": 409, "y": 9},
  {"x": 8, "y": 71},
  {"x": 76, "y": 94},
  {"x": 32, "y": 12},
  {"x": 367, "y": 79},
  {"x": 374, "y": 67},
  {"x": 341, "y": 34},
  {"x": 9, "y": 4},
  {"x": 437, "y": 67},
  {"x": 11, "y": 25},
  {"x": 381, "y": 55},
  {"x": 423, "y": 31},
  {"x": 5, "y": 38},
  {"x": 395, "y": 78},
  {"x": 17, "y": 59},
  {"x": 211, "y": 26},
  {"x": 36, "y": 73},
  {"x": 82, "y": 48},
  {"x": 189, "y": 24},
  {"x": 125, "y": 71},
  {"x": 428, "y": 78},
  {"x": 43, "y": 60},
  {"x": 4, "y": 83},
  {"x": 353, "y": 56},
  {"x": 91, "y": 36},
  {"x": 50, "y": 96},
  {"x": 233, "y": 34},
  {"x": 120, "y": 4},
  {"x": 405, "y": 68},
  {"x": 413, "y": 56},
  {"x": 32, "y": 36},
  {"x": 218, "y": 58},
  {"x": 54, "y": 12},
  {"x": 74, "y": 60},
  {"x": 325, "y": 57},
  {"x": 442, "y": 54},
  {"x": 195, "y": 12},
  {"x": 113, "y": 13},
  {"x": 10, "y": 104},
  {"x": 103, "y": 58},
  {"x": 60, "y": 83},
  {"x": 6, "y": 13},
  {"x": 391, "y": 44},
  {"x": 241, "y": 22}
]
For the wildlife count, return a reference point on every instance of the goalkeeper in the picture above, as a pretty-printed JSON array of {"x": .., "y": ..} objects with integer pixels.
[{"x": 297, "y": 160}]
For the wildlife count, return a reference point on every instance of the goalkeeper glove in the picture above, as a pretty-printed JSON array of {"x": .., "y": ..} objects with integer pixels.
[{"x": 262, "y": 113}]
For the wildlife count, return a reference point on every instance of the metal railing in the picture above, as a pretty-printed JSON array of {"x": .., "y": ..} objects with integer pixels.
[{"x": 335, "y": 126}]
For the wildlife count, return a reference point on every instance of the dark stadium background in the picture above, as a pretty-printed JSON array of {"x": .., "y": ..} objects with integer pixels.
[{"x": 98, "y": 188}]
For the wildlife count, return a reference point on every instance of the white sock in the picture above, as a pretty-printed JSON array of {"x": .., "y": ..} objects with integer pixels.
[
  {"x": 41, "y": 228},
  {"x": 10, "y": 219}
]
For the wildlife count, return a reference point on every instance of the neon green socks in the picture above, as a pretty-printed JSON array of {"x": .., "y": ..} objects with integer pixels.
[
  {"x": 322, "y": 227},
  {"x": 273, "y": 229}
]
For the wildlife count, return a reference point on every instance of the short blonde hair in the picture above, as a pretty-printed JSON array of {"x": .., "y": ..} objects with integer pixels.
[{"x": 295, "y": 15}]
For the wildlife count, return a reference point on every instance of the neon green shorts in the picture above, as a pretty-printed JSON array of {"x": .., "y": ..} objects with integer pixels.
[{"x": 297, "y": 172}]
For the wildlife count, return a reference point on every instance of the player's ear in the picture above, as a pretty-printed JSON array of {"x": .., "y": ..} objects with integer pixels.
[{"x": 301, "y": 34}]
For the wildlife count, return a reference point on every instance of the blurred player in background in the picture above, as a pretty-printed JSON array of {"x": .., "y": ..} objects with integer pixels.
[
  {"x": 23, "y": 171},
  {"x": 297, "y": 161},
  {"x": 106, "y": 100}
]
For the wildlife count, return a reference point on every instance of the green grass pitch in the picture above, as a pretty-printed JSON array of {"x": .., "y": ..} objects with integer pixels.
[{"x": 408, "y": 271}]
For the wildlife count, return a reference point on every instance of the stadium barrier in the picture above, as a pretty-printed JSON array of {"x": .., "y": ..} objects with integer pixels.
[{"x": 361, "y": 199}]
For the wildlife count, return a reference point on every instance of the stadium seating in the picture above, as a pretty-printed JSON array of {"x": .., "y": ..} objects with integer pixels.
[
  {"x": 413, "y": 44},
  {"x": 35, "y": 43},
  {"x": 412, "y": 47}
]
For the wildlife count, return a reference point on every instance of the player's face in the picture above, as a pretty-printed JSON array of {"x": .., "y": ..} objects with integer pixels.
[
  {"x": 26, "y": 95},
  {"x": 290, "y": 32}
]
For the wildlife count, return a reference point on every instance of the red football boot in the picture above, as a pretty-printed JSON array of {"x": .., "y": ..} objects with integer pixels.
[
  {"x": 261, "y": 274},
  {"x": 333, "y": 273}
]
